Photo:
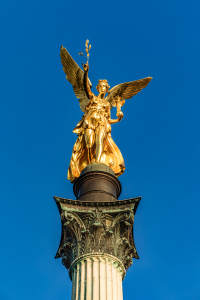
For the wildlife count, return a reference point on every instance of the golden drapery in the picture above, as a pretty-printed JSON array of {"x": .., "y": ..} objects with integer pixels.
[{"x": 111, "y": 155}]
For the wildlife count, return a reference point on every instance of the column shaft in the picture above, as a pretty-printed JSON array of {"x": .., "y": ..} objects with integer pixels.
[{"x": 97, "y": 277}]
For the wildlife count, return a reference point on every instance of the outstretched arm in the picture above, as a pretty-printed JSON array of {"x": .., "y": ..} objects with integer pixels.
[
  {"x": 119, "y": 117},
  {"x": 85, "y": 81},
  {"x": 113, "y": 121}
]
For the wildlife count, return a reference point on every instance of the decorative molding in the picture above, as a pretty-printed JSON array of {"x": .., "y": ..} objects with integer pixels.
[
  {"x": 96, "y": 255},
  {"x": 72, "y": 202}
]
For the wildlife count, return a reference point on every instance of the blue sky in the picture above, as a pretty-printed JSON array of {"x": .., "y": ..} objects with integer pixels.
[{"x": 158, "y": 137}]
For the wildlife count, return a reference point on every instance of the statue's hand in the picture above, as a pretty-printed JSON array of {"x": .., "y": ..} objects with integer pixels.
[
  {"x": 120, "y": 115},
  {"x": 85, "y": 67}
]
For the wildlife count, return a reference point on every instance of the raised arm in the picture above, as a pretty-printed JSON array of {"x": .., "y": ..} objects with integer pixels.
[{"x": 85, "y": 81}]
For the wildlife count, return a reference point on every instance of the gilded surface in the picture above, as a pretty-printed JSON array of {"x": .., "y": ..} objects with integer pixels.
[{"x": 94, "y": 142}]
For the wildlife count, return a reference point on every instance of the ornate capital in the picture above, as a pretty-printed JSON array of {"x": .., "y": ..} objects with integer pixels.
[{"x": 97, "y": 228}]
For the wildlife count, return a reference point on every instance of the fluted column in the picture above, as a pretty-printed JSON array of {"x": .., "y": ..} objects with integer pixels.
[
  {"x": 97, "y": 276},
  {"x": 97, "y": 243}
]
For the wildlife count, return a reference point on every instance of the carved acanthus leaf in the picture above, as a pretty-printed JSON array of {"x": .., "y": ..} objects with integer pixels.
[{"x": 115, "y": 239}]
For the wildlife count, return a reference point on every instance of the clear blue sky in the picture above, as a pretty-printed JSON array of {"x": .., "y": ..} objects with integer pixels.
[{"x": 158, "y": 137}]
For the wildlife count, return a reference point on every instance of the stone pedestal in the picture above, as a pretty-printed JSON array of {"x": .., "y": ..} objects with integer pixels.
[{"x": 97, "y": 243}]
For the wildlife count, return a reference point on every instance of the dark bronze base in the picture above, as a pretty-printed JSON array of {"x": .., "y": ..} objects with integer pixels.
[{"x": 97, "y": 183}]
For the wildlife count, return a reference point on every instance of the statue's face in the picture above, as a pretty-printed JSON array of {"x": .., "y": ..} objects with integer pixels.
[{"x": 103, "y": 87}]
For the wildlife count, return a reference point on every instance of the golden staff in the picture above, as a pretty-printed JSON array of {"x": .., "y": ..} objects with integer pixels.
[{"x": 87, "y": 48}]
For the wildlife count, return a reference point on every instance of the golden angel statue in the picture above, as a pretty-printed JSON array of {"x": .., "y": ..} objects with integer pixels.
[{"x": 94, "y": 143}]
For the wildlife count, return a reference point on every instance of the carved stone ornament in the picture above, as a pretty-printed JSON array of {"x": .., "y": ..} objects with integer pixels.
[{"x": 97, "y": 228}]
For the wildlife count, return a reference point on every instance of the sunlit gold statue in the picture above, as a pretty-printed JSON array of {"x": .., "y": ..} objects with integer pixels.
[{"x": 94, "y": 143}]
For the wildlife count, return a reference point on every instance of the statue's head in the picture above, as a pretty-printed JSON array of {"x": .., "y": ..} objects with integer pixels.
[{"x": 102, "y": 86}]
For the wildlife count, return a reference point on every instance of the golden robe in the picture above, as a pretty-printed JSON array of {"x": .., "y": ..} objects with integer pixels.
[{"x": 111, "y": 155}]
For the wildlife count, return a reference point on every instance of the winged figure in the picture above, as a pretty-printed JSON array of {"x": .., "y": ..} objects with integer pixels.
[{"x": 94, "y": 143}]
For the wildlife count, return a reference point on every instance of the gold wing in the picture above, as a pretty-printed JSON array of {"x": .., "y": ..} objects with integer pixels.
[
  {"x": 127, "y": 90},
  {"x": 74, "y": 75}
]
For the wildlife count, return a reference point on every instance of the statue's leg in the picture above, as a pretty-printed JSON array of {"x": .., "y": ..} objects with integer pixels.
[
  {"x": 89, "y": 140},
  {"x": 100, "y": 136}
]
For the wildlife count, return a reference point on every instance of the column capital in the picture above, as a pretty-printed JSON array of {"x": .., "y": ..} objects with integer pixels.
[{"x": 91, "y": 228}]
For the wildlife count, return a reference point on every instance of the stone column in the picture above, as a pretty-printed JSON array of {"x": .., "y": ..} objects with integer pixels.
[
  {"x": 97, "y": 276},
  {"x": 97, "y": 243}
]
